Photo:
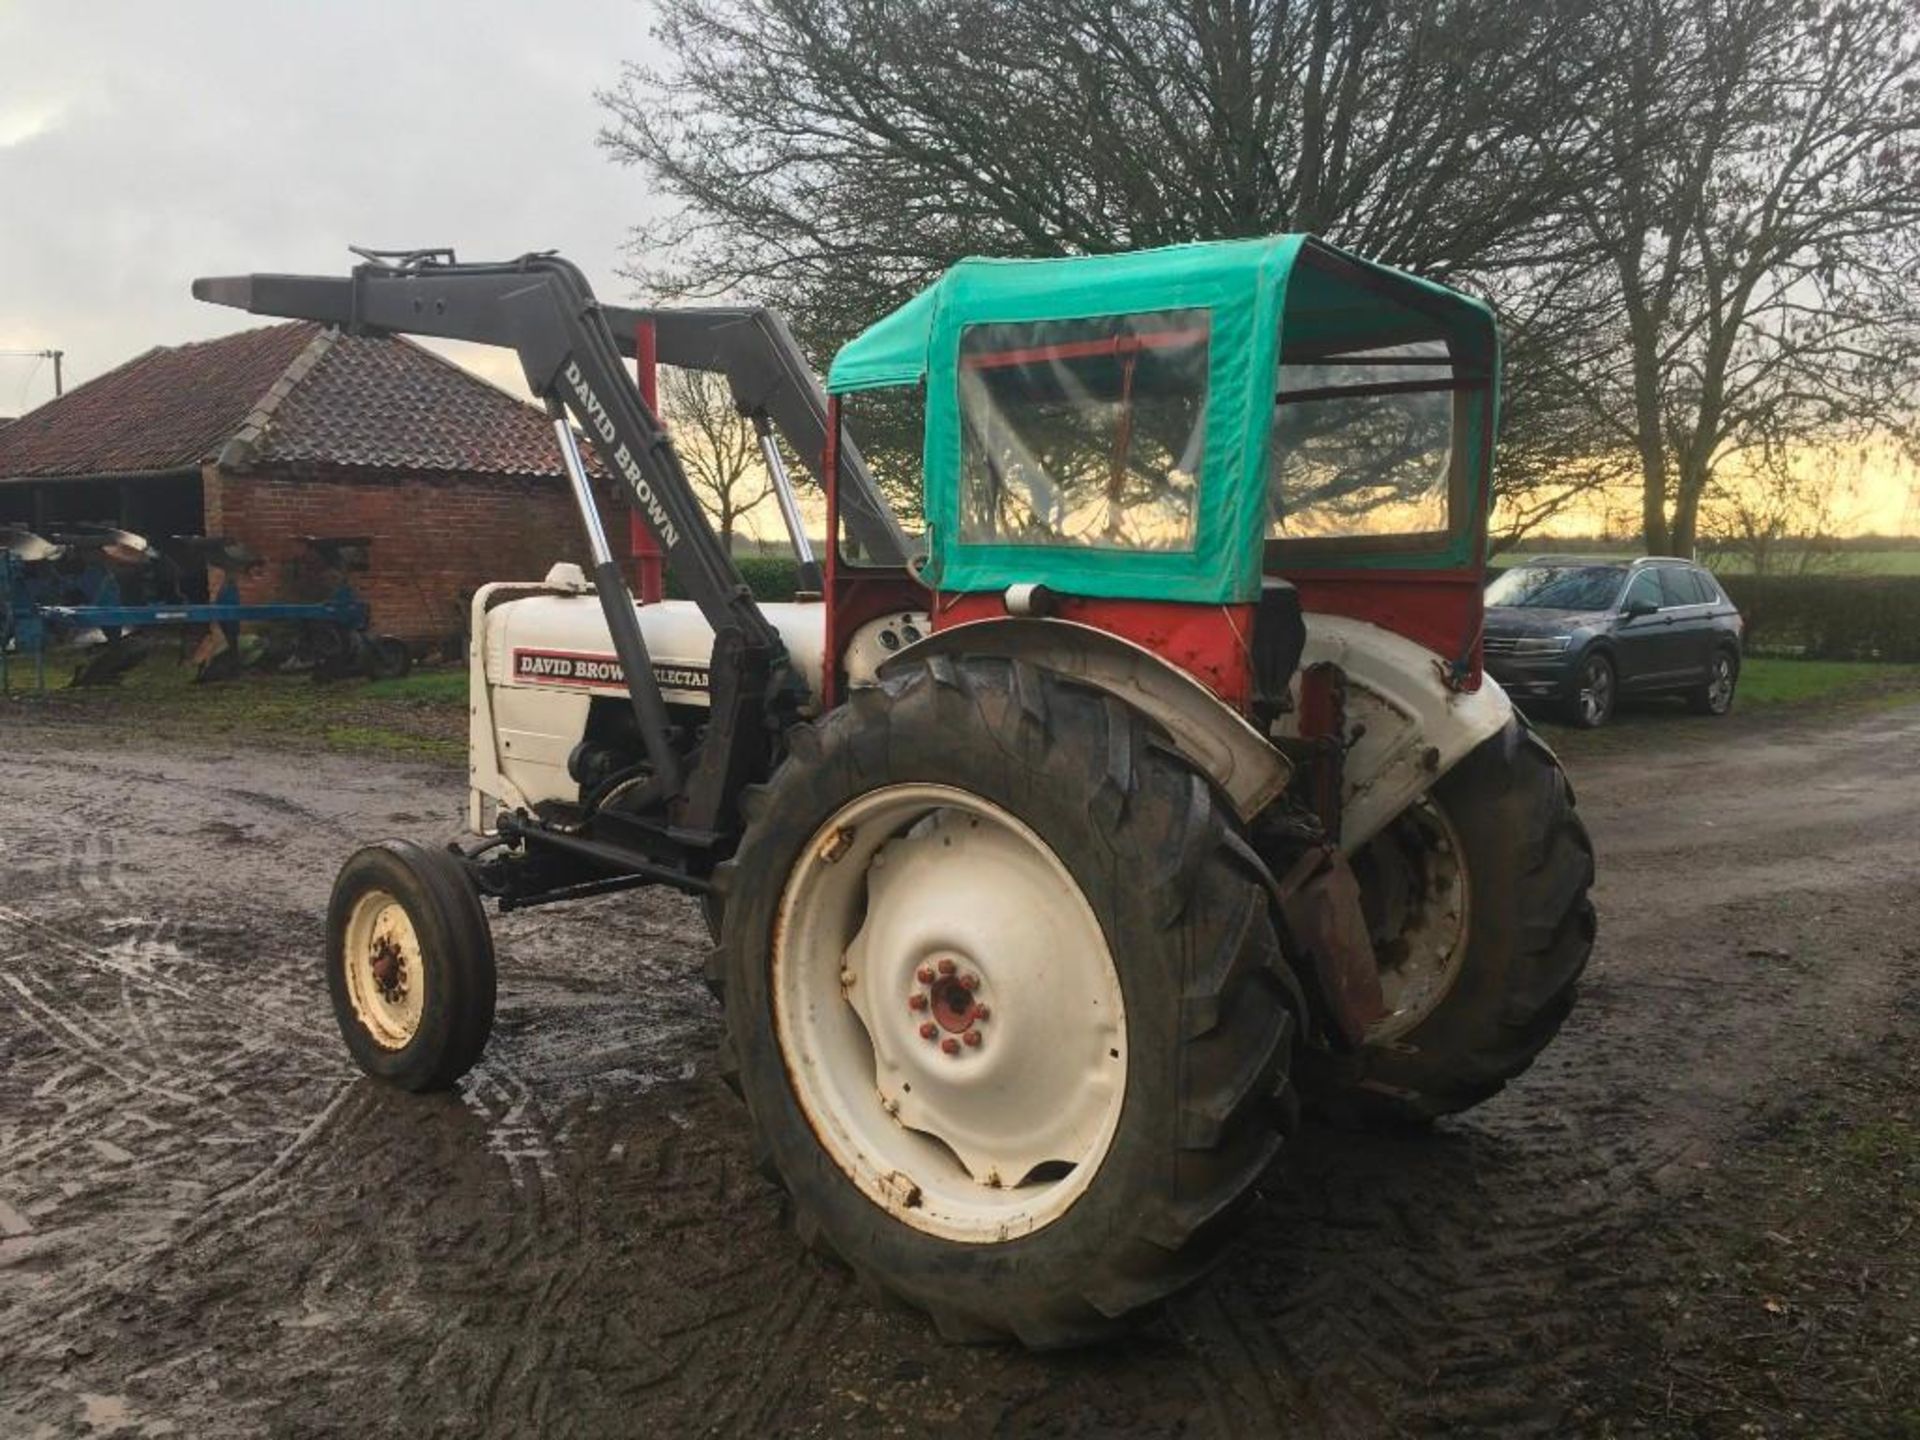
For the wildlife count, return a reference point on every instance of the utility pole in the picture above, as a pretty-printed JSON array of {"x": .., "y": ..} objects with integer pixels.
[{"x": 54, "y": 355}]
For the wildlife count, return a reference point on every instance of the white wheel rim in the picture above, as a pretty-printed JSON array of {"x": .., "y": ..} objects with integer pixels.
[
  {"x": 1421, "y": 962},
  {"x": 993, "y": 1124},
  {"x": 386, "y": 979}
]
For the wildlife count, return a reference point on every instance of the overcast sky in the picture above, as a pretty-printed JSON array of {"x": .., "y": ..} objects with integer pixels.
[{"x": 142, "y": 144}]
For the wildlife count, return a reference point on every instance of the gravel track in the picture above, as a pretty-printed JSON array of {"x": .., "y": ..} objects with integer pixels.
[{"x": 210, "y": 1227}]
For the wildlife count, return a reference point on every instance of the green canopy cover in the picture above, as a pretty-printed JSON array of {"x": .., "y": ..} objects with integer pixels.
[{"x": 1290, "y": 291}]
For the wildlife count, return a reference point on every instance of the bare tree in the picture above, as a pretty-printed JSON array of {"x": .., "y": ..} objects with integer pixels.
[
  {"x": 1783, "y": 519},
  {"x": 830, "y": 156},
  {"x": 717, "y": 446},
  {"x": 1556, "y": 454},
  {"x": 1759, "y": 226}
]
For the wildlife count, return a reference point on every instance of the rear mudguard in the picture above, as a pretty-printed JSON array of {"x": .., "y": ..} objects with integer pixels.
[
  {"x": 1404, "y": 727},
  {"x": 1411, "y": 729},
  {"x": 1212, "y": 736}
]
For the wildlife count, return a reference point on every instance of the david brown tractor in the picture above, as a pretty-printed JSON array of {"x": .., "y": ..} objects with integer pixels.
[{"x": 1053, "y": 858}]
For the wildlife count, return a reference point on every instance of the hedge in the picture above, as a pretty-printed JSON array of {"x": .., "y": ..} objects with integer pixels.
[
  {"x": 1830, "y": 617},
  {"x": 1823, "y": 617},
  {"x": 770, "y": 577}
]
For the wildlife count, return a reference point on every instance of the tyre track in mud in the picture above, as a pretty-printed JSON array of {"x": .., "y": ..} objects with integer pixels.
[
  {"x": 576, "y": 1244},
  {"x": 155, "y": 1061}
]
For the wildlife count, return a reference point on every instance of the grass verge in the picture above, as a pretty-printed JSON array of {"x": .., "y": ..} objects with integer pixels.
[
  {"x": 1770, "y": 690},
  {"x": 1768, "y": 681},
  {"x": 424, "y": 715}
]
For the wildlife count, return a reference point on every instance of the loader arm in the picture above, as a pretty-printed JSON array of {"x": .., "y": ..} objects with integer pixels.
[
  {"x": 769, "y": 376},
  {"x": 542, "y": 308}
]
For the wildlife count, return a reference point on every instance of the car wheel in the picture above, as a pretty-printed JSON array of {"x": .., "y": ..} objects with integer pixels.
[
  {"x": 1594, "y": 690},
  {"x": 1716, "y": 696}
]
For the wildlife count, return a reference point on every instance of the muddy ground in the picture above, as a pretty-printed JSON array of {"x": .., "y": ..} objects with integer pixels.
[{"x": 1696, "y": 1215}]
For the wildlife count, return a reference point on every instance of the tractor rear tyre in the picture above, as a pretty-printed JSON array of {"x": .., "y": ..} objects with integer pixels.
[
  {"x": 410, "y": 965},
  {"x": 1004, "y": 1000},
  {"x": 1477, "y": 896}
]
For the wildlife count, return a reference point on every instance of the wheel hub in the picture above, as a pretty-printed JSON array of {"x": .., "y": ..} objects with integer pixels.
[
  {"x": 946, "y": 994},
  {"x": 384, "y": 971},
  {"x": 389, "y": 971},
  {"x": 1414, "y": 887}
]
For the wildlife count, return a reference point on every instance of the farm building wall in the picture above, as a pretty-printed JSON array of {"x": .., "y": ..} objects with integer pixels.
[{"x": 436, "y": 538}]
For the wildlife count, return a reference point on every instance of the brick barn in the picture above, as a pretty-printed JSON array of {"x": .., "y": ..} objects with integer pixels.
[{"x": 292, "y": 430}]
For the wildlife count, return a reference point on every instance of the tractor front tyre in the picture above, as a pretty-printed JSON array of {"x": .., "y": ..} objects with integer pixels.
[
  {"x": 1004, "y": 1000},
  {"x": 410, "y": 966},
  {"x": 1477, "y": 898}
]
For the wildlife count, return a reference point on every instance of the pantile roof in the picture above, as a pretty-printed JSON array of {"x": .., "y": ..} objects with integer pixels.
[{"x": 283, "y": 394}]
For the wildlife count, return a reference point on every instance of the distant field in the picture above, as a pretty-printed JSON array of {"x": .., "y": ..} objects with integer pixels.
[
  {"x": 423, "y": 715},
  {"x": 1859, "y": 562},
  {"x": 1853, "y": 562}
]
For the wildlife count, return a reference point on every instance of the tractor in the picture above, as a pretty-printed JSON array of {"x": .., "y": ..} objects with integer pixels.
[{"x": 1061, "y": 842}]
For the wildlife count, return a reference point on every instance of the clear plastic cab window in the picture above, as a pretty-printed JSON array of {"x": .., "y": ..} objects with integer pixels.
[
  {"x": 1363, "y": 444},
  {"x": 1084, "y": 433},
  {"x": 886, "y": 429}
]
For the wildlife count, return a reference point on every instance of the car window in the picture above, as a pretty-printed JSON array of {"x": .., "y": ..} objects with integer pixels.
[
  {"x": 1680, "y": 586},
  {"x": 1708, "y": 586},
  {"x": 1645, "y": 590}
]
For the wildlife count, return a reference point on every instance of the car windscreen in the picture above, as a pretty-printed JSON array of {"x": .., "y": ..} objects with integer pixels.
[{"x": 1557, "y": 587}]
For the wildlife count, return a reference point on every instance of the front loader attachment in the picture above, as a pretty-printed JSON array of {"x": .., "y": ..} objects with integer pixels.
[{"x": 542, "y": 308}]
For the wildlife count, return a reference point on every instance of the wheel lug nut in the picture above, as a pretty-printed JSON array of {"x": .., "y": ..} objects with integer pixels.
[
  {"x": 982, "y": 1012},
  {"x": 916, "y": 1002},
  {"x": 950, "y": 1045},
  {"x": 969, "y": 982},
  {"x": 925, "y": 974},
  {"x": 947, "y": 967},
  {"x": 972, "y": 1037},
  {"x": 928, "y": 1029}
]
